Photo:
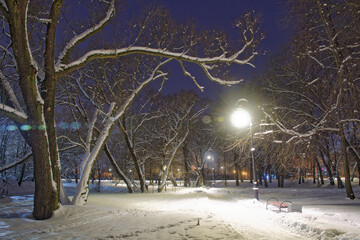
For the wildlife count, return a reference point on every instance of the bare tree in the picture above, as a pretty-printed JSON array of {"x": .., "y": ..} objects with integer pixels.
[
  {"x": 320, "y": 83},
  {"x": 38, "y": 68}
]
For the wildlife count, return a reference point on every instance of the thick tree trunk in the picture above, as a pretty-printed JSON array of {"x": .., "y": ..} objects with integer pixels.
[
  {"x": 46, "y": 196},
  {"x": 49, "y": 105}
]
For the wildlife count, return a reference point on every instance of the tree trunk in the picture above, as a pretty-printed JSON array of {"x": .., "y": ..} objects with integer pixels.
[
  {"x": 321, "y": 172},
  {"x": 282, "y": 179},
  {"x": 130, "y": 144},
  {"x": 330, "y": 173},
  {"x": 186, "y": 166},
  {"x": 172, "y": 179},
  {"x": 46, "y": 196},
  {"x": 353, "y": 172},
  {"x": 225, "y": 167},
  {"x": 241, "y": 174},
  {"x": 82, "y": 188},
  {"x": 166, "y": 169},
  {"x": 314, "y": 171},
  {"x": 22, "y": 174},
  {"x": 341, "y": 77},
  {"x": 270, "y": 176},
  {"x": 76, "y": 175},
  {"x": 118, "y": 170},
  {"x": 359, "y": 172},
  {"x": 237, "y": 172},
  {"x": 251, "y": 171},
  {"x": 266, "y": 182}
]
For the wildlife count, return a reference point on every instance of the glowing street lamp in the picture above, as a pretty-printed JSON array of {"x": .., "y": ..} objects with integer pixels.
[{"x": 241, "y": 119}]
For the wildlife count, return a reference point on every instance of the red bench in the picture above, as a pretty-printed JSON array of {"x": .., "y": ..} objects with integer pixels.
[{"x": 276, "y": 203}]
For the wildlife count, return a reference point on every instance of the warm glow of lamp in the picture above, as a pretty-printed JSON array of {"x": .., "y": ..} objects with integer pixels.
[{"x": 240, "y": 118}]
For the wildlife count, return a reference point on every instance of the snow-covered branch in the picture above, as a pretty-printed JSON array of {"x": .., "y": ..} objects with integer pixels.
[
  {"x": 296, "y": 134},
  {"x": 11, "y": 165},
  {"x": 86, "y": 34},
  {"x": 13, "y": 114},
  {"x": 4, "y": 9},
  {"x": 186, "y": 73},
  {"x": 63, "y": 69},
  {"x": 9, "y": 91},
  {"x": 153, "y": 76}
]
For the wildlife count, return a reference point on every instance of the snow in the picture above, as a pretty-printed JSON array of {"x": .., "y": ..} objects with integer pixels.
[
  {"x": 18, "y": 114},
  {"x": 2, "y": 2},
  {"x": 190, "y": 213}
]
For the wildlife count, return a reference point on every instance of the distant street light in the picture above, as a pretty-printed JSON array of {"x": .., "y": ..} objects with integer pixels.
[
  {"x": 240, "y": 119},
  {"x": 207, "y": 157}
]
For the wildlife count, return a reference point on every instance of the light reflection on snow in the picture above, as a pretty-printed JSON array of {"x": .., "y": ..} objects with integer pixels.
[
  {"x": 4, "y": 226},
  {"x": 22, "y": 198}
]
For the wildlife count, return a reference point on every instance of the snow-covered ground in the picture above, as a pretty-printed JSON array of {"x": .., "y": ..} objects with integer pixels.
[{"x": 191, "y": 213}]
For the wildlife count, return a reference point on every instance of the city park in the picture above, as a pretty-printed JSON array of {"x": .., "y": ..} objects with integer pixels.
[{"x": 125, "y": 121}]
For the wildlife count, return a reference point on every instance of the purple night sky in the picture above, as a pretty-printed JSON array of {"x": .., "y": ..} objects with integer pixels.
[{"x": 221, "y": 14}]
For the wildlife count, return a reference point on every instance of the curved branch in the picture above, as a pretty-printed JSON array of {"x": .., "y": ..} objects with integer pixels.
[
  {"x": 11, "y": 165},
  {"x": 9, "y": 91},
  {"x": 13, "y": 114},
  {"x": 86, "y": 34},
  {"x": 63, "y": 69}
]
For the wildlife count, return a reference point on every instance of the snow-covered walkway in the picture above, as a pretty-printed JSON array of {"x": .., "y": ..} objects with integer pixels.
[{"x": 195, "y": 213}]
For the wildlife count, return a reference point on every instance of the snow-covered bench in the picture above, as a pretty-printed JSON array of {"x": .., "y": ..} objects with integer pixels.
[{"x": 283, "y": 204}]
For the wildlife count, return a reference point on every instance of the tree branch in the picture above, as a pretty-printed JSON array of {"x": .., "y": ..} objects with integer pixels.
[
  {"x": 64, "y": 55},
  {"x": 63, "y": 69},
  {"x": 11, "y": 165}
]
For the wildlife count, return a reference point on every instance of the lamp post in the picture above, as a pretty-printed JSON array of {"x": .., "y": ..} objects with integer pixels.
[{"x": 240, "y": 119}]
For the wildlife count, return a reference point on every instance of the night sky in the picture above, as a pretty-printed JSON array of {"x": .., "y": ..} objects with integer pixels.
[{"x": 221, "y": 14}]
